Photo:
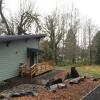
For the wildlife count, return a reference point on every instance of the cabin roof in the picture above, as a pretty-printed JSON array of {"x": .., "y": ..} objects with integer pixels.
[{"x": 21, "y": 37}]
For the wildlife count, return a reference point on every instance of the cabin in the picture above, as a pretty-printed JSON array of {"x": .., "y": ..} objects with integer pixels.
[{"x": 15, "y": 50}]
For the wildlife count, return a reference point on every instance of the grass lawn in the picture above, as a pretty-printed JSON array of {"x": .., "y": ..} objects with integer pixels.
[{"x": 85, "y": 70}]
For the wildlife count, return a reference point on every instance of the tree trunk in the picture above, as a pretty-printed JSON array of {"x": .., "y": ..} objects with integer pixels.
[
  {"x": 90, "y": 49},
  {"x": 90, "y": 56},
  {"x": 54, "y": 53}
]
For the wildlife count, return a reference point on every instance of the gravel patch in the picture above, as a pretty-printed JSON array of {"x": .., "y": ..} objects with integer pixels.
[{"x": 23, "y": 88}]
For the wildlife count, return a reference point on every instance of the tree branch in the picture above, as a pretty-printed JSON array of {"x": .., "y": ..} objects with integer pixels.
[{"x": 4, "y": 19}]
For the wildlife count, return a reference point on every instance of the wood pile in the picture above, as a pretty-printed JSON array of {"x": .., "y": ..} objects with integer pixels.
[{"x": 22, "y": 70}]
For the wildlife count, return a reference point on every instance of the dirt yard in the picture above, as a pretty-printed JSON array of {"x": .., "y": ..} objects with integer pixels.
[{"x": 71, "y": 92}]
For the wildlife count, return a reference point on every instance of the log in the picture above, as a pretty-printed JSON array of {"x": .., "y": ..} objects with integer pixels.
[
  {"x": 62, "y": 85},
  {"x": 95, "y": 79},
  {"x": 57, "y": 86},
  {"x": 53, "y": 82},
  {"x": 76, "y": 80}
]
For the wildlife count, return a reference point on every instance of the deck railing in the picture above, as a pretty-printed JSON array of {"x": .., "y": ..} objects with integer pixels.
[{"x": 35, "y": 69}]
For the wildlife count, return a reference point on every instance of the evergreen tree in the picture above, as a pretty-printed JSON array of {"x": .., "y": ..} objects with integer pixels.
[
  {"x": 70, "y": 46},
  {"x": 96, "y": 46}
]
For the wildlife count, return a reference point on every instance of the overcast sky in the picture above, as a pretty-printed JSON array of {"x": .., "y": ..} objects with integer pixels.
[{"x": 88, "y": 8}]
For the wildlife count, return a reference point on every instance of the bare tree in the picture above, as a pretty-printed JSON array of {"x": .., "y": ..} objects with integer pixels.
[
  {"x": 90, "y": 28},
  {"x": 4, "y": 19},
  {"x": 65, "y": 25},
  {"x": 90, "y": 33},
  {"x": 53, "y": 27},
  {"x": 84, "y": 45},
  {"x": 27, "y": 17},
  {"x": 24, "y": 20}
]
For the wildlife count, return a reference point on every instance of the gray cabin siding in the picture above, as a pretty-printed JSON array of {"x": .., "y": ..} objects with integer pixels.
[{"x": 14, "y": 54}]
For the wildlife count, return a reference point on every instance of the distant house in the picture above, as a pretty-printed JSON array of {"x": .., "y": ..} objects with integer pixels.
[{"x": 15, "y": 50}]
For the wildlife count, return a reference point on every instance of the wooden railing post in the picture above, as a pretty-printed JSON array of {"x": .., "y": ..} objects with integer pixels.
[{"x": 33, "y": 70}]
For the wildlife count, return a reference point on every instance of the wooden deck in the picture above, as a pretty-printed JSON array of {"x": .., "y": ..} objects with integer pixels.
[{"x": 35, "y": 69}]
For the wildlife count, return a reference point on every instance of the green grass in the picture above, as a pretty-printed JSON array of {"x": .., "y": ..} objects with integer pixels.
[
  {"x": 84, "y": 70},
  {"x": 89, "y": 70}
]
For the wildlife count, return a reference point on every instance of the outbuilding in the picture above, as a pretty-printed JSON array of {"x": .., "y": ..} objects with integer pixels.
[{"x": 15, "y": 50}]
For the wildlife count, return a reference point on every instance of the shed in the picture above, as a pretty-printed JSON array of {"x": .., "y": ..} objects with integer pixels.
[{"x": 17, "y": 49}]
